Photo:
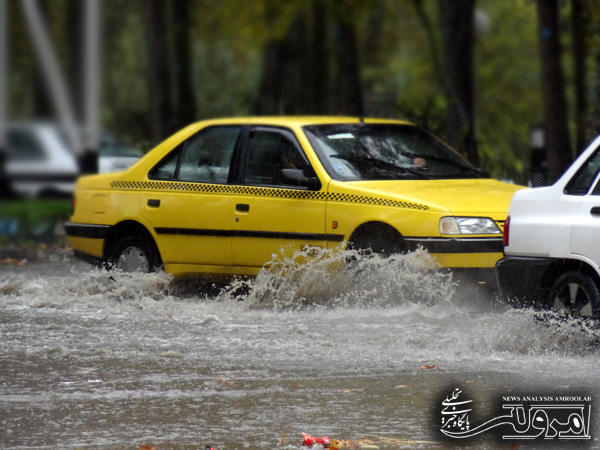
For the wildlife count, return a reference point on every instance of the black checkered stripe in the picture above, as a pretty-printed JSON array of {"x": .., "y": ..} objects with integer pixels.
[
  {"x": 351, "y": 198},
  {"x": 262, "y": 192}
]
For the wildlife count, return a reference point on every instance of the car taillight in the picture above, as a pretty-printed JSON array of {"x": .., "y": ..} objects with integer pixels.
[
  {"x": 73, "y": 205},
  {"x": 506, "y": 231}
]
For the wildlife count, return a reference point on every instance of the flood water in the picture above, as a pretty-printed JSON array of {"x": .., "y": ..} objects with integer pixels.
[{"x": 98, "y": 360}]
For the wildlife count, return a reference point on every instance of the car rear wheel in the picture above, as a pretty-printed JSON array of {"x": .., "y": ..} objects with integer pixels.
[
  {"x": 576, "y": 294},
  {"x": 134, "y": 254}
]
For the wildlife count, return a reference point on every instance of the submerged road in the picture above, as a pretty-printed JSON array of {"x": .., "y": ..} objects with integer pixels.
[{"x": 97, "y": 360}]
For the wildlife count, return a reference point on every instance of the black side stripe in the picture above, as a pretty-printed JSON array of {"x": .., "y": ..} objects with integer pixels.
[
  {"x": 432, "y": 245},
  {"x": 456, "y": 245},
  {"x": 251, "y": 234},
  {"x": 86, "y": 230}
]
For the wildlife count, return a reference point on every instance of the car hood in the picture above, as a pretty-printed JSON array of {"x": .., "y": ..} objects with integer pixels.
[{"x": 462, "y": 197}]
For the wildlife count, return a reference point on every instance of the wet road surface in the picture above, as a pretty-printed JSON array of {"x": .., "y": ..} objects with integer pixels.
[{"x": 98, "y": 360}]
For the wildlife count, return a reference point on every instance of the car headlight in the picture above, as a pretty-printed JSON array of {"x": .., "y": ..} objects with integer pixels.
[{"x": 468, "y": 225}]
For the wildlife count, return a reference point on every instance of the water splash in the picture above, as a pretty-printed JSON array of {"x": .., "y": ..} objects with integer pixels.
[
  {"x": 411, "y": 304},
  {"x": 94, "y": 286},
  {"x": 333, "y": 278},
  {"x": 568, "y": 334}
]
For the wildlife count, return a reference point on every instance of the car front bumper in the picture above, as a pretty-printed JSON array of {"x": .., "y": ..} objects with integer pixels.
[
  {"x": 460, "y": 253},
  {"x": 520, "y": 278}
]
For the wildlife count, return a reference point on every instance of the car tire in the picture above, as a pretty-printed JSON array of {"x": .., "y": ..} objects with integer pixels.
[
  {"x": 575, "y": 294},
  {"x": 376, "y": 244},
  {"x": 134, "y": 254}
]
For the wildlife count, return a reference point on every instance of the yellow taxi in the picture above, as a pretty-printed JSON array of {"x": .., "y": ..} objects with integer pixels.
[{"x": 224, "y": 196}]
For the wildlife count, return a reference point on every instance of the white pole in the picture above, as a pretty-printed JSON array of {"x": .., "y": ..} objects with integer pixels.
[
  {"x": 91, "y": 71},
  {"x": 56, "y": 83}
]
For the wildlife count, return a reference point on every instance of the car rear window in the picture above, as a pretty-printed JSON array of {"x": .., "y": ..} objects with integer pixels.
[{"x": 202, "y": 158}]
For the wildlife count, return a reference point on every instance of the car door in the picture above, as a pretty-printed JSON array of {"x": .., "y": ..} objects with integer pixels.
[
  {"x": 191, "y": 212},
  {"x": 279, "y": 202}
]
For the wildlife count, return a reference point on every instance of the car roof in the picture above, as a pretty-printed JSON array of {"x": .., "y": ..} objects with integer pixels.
[{"x": 300, "y": 120}]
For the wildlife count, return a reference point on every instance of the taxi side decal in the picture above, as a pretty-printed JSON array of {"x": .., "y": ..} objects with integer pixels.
[{"x": 263, "y": 192}]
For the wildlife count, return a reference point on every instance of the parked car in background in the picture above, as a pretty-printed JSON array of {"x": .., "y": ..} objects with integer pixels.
[
  {"x": 224, "y": 196},
  {"x": 40, "y": 162},
  {"x": 114, "y": 154},
  {"x": 552, "y": 242}
]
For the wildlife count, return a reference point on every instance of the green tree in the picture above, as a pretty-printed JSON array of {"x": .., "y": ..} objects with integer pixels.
[
  {"x": 553, "y": 89},
  {"x": 457, "y": 29},
  {"x": 161, "y": 111}
]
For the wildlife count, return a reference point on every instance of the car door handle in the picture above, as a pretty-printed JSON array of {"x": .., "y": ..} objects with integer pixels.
[
  {"x": 595, "y": 211},
  {"x": 154, "y": 203},
  {"x": 242, "y": 207}
]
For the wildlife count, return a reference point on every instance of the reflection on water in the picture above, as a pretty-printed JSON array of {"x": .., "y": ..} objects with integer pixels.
[{"x": 341, "y": 345}]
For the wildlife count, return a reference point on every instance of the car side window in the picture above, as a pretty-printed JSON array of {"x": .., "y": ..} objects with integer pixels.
[
  {"x": 274, "y": 159},
  {"x": 206, "y": 156},
  {"x": 582, "y": 181},
  {"x": 203, "y": 158},
  {"x": 23, "y": 145},
  {"x": 166, "y": 168}
]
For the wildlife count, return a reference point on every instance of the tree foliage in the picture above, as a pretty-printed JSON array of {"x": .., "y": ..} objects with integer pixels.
[{"x": 378, "y": 57}]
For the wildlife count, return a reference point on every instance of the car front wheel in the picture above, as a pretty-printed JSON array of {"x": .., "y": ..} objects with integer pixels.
[
  {"x": 377, "y": 245},
  {"x": 135, "y": 255},
  {"x": 576, "y": 294}
]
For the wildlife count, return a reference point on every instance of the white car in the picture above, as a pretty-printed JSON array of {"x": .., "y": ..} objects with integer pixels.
[
  {"x": 115, "y": 155},
  {"x": 40, "y": 163},
  {"x": 552, "y": 242}
]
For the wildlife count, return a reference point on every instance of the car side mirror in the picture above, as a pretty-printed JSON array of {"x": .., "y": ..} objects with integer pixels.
[{"x": 297, "y": 177}]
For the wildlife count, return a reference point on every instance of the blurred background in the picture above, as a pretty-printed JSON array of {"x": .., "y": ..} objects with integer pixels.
[{"x": 91, "y": 85}]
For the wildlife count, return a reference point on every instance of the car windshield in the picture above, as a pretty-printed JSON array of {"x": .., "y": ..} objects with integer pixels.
[{"x": 352, "y": 152}]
